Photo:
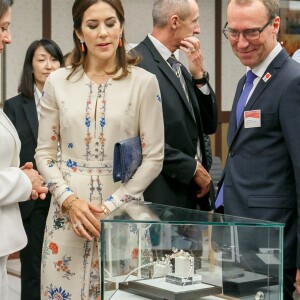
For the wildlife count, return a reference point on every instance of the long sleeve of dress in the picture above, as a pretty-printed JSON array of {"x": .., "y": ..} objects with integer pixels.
[
  {"x": 152, "y": 139},
  {"x": 87, "y": 120}
]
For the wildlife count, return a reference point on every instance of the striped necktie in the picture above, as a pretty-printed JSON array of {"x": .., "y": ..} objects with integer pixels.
[{"x": 176, "y": 67}]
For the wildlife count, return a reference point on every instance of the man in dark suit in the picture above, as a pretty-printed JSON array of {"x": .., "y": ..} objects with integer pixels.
[
  {"x": 189, "y": 105},
  {"x": 261, "y": 179}
]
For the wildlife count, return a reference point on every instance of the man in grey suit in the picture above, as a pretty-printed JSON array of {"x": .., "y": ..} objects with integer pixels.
[
  {"x": 189, "y": 104},
  {"x": 261, "y": 179}
]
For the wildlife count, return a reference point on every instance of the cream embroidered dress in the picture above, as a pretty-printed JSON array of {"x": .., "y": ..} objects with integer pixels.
[{"x": 87, "y": 119}]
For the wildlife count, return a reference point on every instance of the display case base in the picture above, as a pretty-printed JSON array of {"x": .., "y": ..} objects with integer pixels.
[{"x": 158, "y": 289}]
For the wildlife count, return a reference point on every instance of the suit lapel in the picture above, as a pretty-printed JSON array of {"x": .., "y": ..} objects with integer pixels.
[
  {"x": 232, "y": 130},
  {"x": 31, "y": 116},
  {"x": 272, "y": 69},
  {"x": 168, "y": 72}
]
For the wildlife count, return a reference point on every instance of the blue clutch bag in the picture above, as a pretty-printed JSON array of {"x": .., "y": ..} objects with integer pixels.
[{"x": 127, "y": 158}]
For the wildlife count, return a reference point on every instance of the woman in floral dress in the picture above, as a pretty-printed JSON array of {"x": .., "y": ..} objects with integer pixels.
[{"x": 102, "y": 98}]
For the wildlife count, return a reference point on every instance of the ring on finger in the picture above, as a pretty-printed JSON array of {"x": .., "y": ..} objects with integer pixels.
[{"x": 76, "y": 225}]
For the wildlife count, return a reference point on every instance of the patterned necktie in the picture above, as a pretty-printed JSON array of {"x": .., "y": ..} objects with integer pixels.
[
  {"x": 244, "y": 95},
  {"x": 239, "y": 111},
  {"x": 176, "y": 67}
]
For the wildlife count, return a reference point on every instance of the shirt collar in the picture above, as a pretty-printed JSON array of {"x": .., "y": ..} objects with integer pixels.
[
  {"x": 37, "y": 92},
  {"x": 261, "y": 68},
  {"x": 162, "y": 49}
]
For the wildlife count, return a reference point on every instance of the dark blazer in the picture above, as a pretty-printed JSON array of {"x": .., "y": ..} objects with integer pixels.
[
  {"x": 22, "y": 112},
  {"x": 262, "y": 172},
  {"x": 175, "y": 185}
]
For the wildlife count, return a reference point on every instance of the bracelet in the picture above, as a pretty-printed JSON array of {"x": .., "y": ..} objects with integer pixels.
[
  {"x": 70, "y": 203},
  {"x": 105, "y": 209}
]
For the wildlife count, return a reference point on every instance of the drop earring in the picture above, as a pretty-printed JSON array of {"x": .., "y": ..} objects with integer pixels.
[
  {"x": 82, "y": 46},
  {"x": 120, "y": 41}
]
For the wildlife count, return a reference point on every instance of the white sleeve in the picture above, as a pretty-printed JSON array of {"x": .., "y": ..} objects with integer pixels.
[{"x": 15, "y": 186}]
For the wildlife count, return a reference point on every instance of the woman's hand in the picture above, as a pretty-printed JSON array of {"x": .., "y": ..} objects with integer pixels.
[
  {"x": 83, "y": 217},
  {"x": 37, "y": 181}
]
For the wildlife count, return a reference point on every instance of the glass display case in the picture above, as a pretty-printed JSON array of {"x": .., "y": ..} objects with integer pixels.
[{"x": 151, "y": 251}]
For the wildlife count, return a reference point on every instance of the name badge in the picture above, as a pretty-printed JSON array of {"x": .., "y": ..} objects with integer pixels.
[{"x": 252, "y": 118}]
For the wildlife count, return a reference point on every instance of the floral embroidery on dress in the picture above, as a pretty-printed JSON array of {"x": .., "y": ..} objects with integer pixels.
[
  {"x": 50, "y": 163},
  {"x": 87, "y": 253},
  {"x": 102, "y": 95},
  {"x": 63, "y": 266},
  {"x": 55, "y": 293},
  {"x": 59, "y": 223},
  {"x": 53, "y": 247},
  {"x": 158, "y": 98},
  {"x": 97, "y": 187},
  {"x": 70, "y": 145},
  {"x": 46, "y": 251},
  {"x": 52, "y": 186},
  {"x": 72, "y": 164},
  {"x": 143, "y": 144},
  {"x": 129, "y": 198},
  {"x": 94, "y": 281},
  {"x": 100, "y": 105},
  {"x": 55, "y": 136}
]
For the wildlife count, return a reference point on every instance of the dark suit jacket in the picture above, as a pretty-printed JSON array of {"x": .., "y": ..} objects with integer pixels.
[
  {"x": 262, "y": 172},
  {"x": 175, "y": 185},
  {"x": 22, "y": 112}
]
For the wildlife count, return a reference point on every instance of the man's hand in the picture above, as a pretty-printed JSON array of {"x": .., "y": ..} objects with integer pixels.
[
  {"x": 202, "y": 179},
  {"x": 191, "y": 46}
]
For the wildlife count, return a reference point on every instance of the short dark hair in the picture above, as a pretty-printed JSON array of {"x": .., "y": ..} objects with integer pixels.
[
  {"x": 78, "y": 57},
  {"x": 26, "y": 85},
  {"x": 4, "y": 6}
]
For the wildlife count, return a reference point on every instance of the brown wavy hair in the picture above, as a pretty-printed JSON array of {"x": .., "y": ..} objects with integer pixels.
[{"x": 4, "y": 6}]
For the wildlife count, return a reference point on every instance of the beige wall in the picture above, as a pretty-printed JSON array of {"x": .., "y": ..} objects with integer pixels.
[{"x": 26, "y": 26}]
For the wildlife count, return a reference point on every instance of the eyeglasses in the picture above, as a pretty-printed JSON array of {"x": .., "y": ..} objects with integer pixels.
[{"x": 250, "y": 34}]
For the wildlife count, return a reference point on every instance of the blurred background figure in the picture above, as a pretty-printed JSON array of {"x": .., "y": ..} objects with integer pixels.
[{"x": 42, "y": 57}]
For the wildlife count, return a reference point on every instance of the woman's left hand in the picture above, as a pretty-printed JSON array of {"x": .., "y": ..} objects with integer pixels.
[{"x": 82, "y": 216}]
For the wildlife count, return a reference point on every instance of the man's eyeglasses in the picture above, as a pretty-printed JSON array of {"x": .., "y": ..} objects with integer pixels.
[{"x": 250, "y": 34}]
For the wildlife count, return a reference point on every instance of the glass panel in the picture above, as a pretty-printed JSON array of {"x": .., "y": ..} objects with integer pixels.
[{"x": 151, "y": 251}]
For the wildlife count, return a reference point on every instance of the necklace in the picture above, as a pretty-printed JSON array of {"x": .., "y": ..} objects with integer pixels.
[
  {"x": 100, "y": 75},
  {"x": 109, "y": 74}
]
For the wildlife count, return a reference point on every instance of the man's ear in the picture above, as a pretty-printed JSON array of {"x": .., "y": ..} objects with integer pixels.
[
  {"x": 174, "y": 21},
  {"x": 276, "y": 25}
]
